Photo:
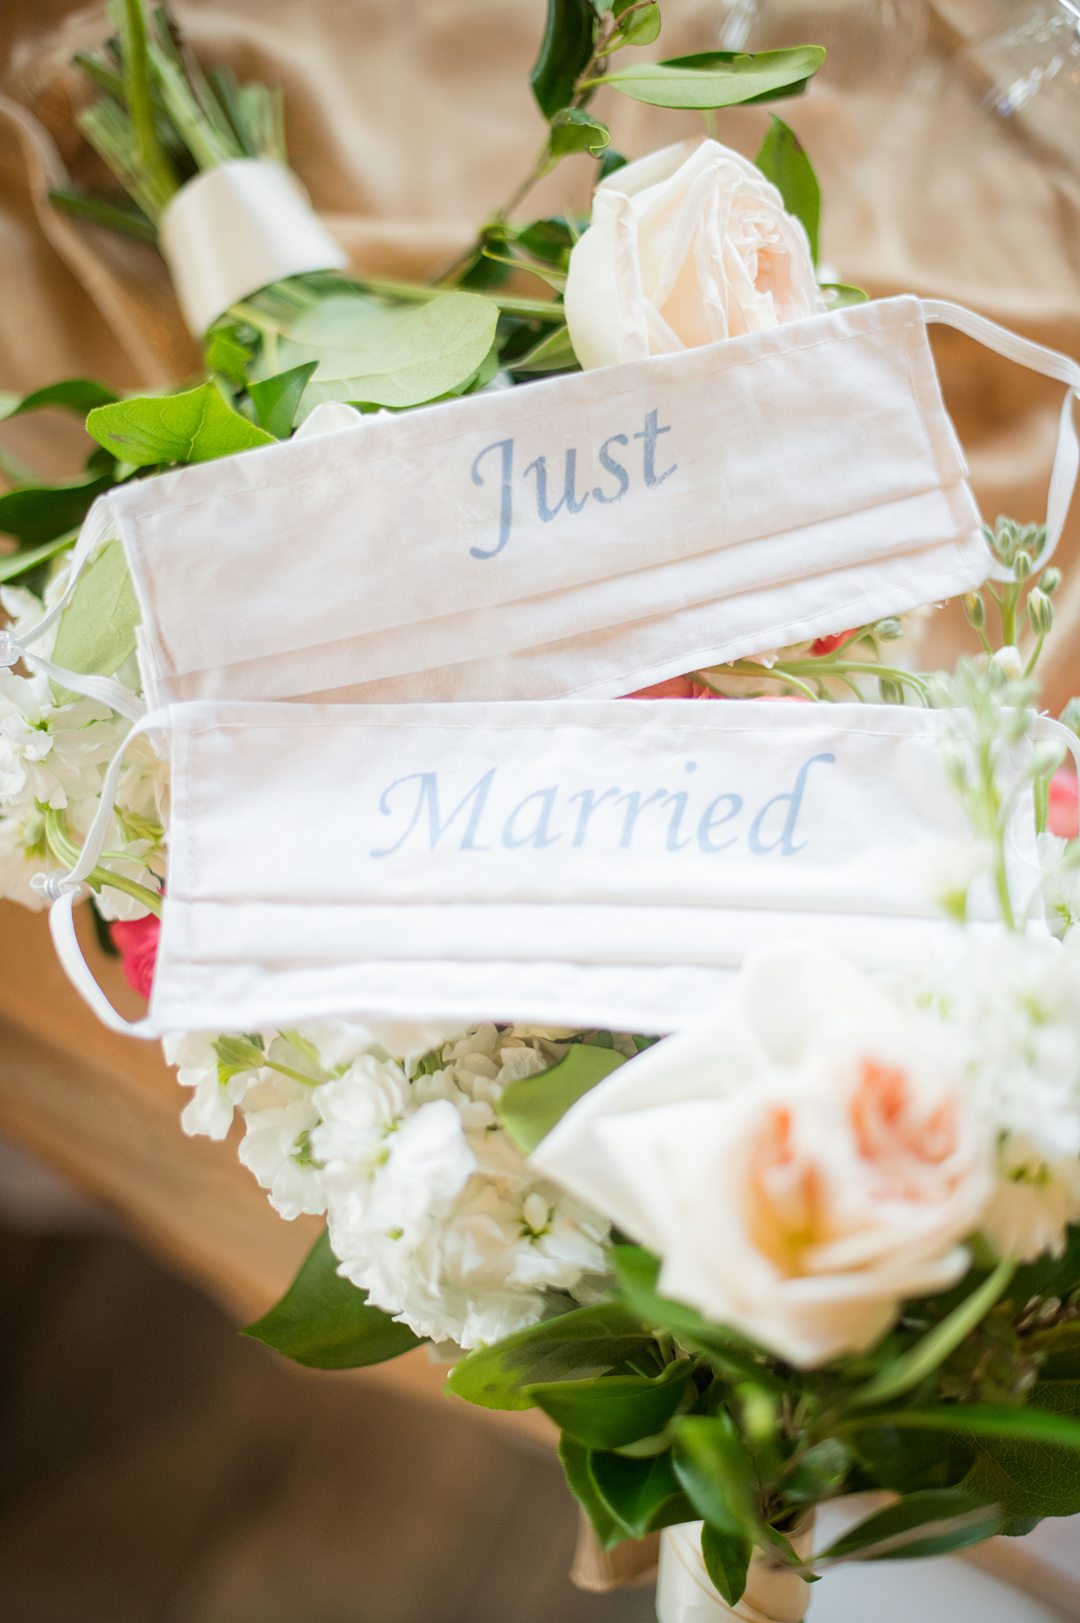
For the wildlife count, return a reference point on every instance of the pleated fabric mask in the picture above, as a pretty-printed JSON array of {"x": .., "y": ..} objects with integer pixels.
[
  {"x": 580, "y": 537},
  {"x": 596, "y": 864}
]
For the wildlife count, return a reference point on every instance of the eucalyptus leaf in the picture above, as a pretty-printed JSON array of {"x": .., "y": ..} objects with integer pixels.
[
  {"x": 197, "y": 425},
  {"x": 714, "y": 1467},
  {"x": 783, "y": 160},
  {"x": 575, "y": 130},
  {"x": 727, "y": 1560},
  {"x": 326, "y": 1323},
  {"x": 718, "y": 78},
  {"x": 641, "y": 27},
  {"x": 565, "y": 52},
  {"x": 841, "y": 295},
  {"x": 277, "y": 399},
  {"x": 97, "y": 629},
  {"x": 78, "y": 395},
  {"x": 614, "y": 1410},
  {"x": 531, "y": 1107},
  {"x": 372, "y": 355},
  {"x": 922, "y": 1524},
  {"x": 577, "y": 1345}
]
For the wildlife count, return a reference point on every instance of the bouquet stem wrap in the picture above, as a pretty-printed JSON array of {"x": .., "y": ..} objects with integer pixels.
[{"x": 685, "y": 1593}]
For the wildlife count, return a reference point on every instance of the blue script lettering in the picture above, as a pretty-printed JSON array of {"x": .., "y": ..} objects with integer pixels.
[
  {"x": 604, "y": 819},
  {"x": 496, "y": 463}
]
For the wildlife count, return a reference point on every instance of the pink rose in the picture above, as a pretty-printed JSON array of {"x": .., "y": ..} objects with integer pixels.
[
  {"x": 136, "y": 940},
  {"x": 676, "y": 687}
]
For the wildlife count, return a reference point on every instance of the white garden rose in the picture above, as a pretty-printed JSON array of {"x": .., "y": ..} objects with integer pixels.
[
  {"x": 687, "y": 246},
  {"x": 803, "y": 1162}
]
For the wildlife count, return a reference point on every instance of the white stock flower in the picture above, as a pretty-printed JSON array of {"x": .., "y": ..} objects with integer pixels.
[
  {"x": 1013, "y": 1003},
  {"x": 686, "y": 246},
  {"x": 802, "y": 1162},
  {"x": 209, "y": 1112},
  {"x": 1059, "y": 861}
]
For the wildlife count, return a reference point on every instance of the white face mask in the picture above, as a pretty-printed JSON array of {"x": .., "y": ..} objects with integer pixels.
[
  {"x": 580, "y": 537},
  {"x": 598, "y": 864}
]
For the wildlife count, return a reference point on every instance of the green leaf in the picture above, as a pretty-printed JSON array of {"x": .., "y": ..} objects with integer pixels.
[
  {"x": 637, "y": 1271},
  {"x": 919, "y": 1361},
  {"x": 714, "y": 1466},
  {"x": 565, "y": 52},
  {"x": 923, "y": 1524},
  {"x": 575, "y": 1463},
  {"x": 529, "y": 1109},
  {"x": 195, "y": 426},
  {"x": 376, "y": 355},
  {"x": 783, "y": 160},
  {"x": 575, "y": 130},
  {"x": 843, "y": 296},
  {"x": 639, "y": 29},
  {"x": 79, "y": 395},
  {"x": 225, "y": 351},
  {"x": 1035, "y": 1475},
  {"x": 34, "y": 514},
  {"x": 616, "y": 1409},
  {"x": 586, "y": 1342},
  {"x": 235, "y": 1055},
  {"x": 727, "y": 1559},
  {"x": 718, "y": 78},
  {"x": 14, "y": 564},
  {"x": 97, "y": 629},
  {"x": 641, "y": 1495},
  {"x": 554, "y": 353},
  {"x": 326, "y": 1323},
  {"x": 277, "y": 399}
]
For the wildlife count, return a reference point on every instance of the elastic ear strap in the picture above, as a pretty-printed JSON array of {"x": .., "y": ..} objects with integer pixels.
[
  {"x": 75, "y": 967},
  {"x": 95, "y": 529},
  {"x": 1049, "y": 363},
  {"x": 64, "y": 889},
  {"x": 1047, "y": 727}
]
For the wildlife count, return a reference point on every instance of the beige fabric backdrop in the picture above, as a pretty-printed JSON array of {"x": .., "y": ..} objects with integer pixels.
[{"x": 408, "y": 119}]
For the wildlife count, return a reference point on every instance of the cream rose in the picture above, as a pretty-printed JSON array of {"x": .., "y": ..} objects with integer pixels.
[
  {"x": 687, "y": 246},
  {"x": 802, "y": 1162}
]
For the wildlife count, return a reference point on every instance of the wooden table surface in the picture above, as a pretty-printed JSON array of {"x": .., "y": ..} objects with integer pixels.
[{"x": 104, "y": 1111}]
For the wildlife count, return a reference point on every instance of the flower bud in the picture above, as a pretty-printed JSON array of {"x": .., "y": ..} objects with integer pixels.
[
  {"x": 1040, "y": 612},
  {"x": 889, "y": 630},
  {"x": 1008, "y": 660},
  {"x": 1022, "y": 566},
  {"x": 1051, "y": 580},
  {"x": 975, "y": 609},
  {"x": 1046, "y": 757}
]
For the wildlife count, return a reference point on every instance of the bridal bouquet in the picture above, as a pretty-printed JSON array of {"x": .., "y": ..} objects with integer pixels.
[{"x": 821, "y": 1239}]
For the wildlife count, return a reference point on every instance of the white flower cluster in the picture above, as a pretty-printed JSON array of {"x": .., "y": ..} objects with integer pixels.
[
  {"x": 1012, "y": 1007},
  {"x": 431, "y": 1207},
  {"x": 53, "y": 757}
]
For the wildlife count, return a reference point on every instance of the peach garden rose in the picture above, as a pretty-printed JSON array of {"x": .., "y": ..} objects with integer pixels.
[
  {"x": 687, "y": 246},
  {"x": 803, "y": 1162}
]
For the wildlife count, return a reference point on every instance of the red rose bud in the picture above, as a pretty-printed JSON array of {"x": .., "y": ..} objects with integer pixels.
[{"x": 136, "y": 940}]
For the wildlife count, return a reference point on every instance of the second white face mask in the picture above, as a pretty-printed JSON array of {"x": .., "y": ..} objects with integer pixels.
[
  {"x": 598, "y": 864},
  {"x": 580, "y": 537}
]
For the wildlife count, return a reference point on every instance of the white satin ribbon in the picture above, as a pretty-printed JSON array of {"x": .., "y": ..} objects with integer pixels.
[
  {"x": 237, "y": 228},
  {"x": 685, "y": 1593}
]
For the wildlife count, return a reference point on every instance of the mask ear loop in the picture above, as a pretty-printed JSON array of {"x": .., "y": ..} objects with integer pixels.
[
  {"x": 1049, "y": 363},
  {"x": 63, "y": 889},
  {"x": 96, "y": 529}
]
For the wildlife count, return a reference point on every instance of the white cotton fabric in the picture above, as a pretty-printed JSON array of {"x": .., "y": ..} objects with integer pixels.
[
  {"x": 237, "y": 228},
  {"x": 600, "y": 863},
  {"x": 727, "y": 500}
]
